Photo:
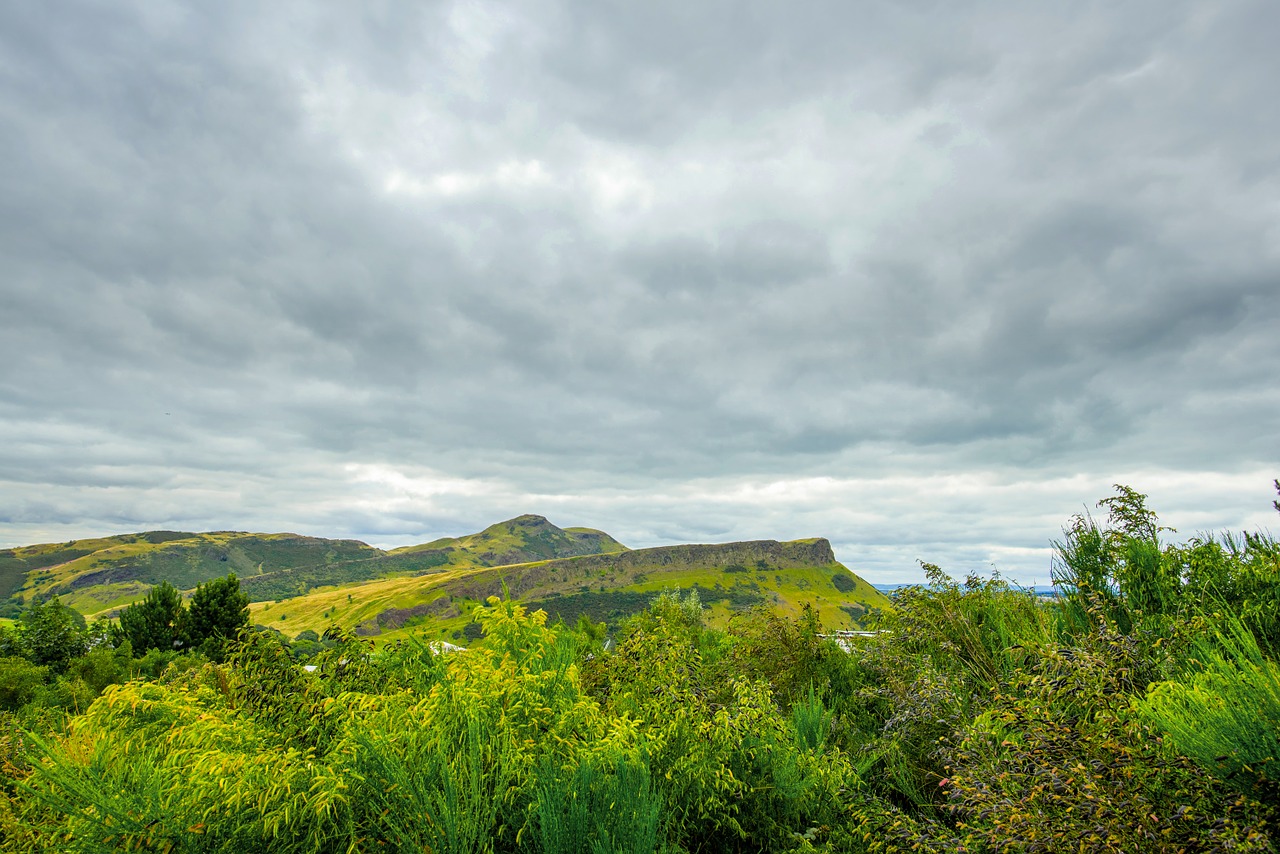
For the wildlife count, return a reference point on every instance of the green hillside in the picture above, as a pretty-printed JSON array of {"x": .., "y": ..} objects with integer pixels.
[
  {"x": 17, "y": 564},
  {"x": 520, "y": 540},
  {"x": 103, "y": 574},
  {"x": 98, "y": 574},
  {"x": 729, "y": 578},
  {"x": 298, "y": 583}
]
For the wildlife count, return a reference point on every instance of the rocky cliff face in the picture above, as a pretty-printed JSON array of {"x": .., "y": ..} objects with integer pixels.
[{"x": 621, "y": 568}]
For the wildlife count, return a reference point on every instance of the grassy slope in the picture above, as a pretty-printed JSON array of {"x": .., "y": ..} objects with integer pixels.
[
  {"x": 519, "y": 540},
  {"x": 730, "y": 577},
  {"x": 99, "y": 576},
  {"x": 16, "y": 565},
  {"x": 567, "y": 572}
]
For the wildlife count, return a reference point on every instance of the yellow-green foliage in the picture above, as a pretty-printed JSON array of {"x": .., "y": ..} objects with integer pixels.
[
  {"x": 404, "y": 750},
  {"x": 729, "y": 764},
  {"x": 1224, "y": 709},
  {"x": 1058, "y": 762}
]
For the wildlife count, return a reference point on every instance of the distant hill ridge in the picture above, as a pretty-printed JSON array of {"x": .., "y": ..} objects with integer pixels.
[
  {"x": 566, "y": 571},
  {"x": 106, "y": 572},
  {"x": 751, "y": 556},
  {"x": 728, "y": 577},
  {"x": 520, "y": 540}
]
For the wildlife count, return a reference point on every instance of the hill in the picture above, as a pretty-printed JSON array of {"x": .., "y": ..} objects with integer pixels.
[
  {"x": 98, "y": 574},
  {"x": 103, "y": 574},
  {"x": 524, "y": 538},
  {"x": 298, "y": 583},
  {"x": 519, "y": 540},
  {"x": 729, "y": 578}
]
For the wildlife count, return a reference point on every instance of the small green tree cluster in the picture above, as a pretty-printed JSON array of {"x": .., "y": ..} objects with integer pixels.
[
  {"x": 52, "y": 660},
  {"x": 161, "y": 621},
  {"x": 49, "y": 634}
]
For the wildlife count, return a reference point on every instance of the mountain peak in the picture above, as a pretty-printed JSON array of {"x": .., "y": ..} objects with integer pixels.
[
  {"x": 527, "y": 520},
  {"x": 532, "y": 537}
]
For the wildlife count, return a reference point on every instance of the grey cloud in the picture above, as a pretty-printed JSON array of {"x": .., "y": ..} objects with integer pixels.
[{"x": 582, "y": 256}]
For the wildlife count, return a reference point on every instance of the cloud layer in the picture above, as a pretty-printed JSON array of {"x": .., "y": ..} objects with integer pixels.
[{"x": 922, "y": 280}]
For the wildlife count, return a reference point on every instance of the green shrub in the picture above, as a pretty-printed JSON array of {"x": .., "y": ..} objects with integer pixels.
[
  {"x": 978, "y": 631},
  {"x": 19, "y": 680},
  {"x": 586, "y": 809},
  {"x": 51, "y": 634},
  {"x": 728, "y": 765},
  {"x": 812, "y": 721},
  {"x": 1058, "y": 762},
  {"x": 103, "y": 666},
  {"x": 1224, "y": 709}
]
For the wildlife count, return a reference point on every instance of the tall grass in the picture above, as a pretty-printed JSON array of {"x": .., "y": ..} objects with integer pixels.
[
  {"x": 590, "y": 810},
  {"x": 981, "y": 628},
  {"x": 1224, "y": 710},
  {"x": 421, "y": 790},
  {"x": 811, "y": 720}
]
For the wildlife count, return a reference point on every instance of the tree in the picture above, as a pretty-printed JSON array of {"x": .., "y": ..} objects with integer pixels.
[
  {"x": 218, "y": 611},
  {"x": 52, "y": 634},
  {"x": 157, "y": 622}
]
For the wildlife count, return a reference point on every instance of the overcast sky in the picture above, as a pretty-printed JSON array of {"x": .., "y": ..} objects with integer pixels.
[{"x": 922, "y": 278}]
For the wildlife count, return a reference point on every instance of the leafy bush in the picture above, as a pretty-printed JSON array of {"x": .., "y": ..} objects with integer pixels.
[
  {"x": 52, "y": 634},
  {"x": 19, "y": 680},
  {"x": 586, "y": 809},
  {"x": 103, "y": 666},
  {"x": 1058, "y": 762},
  {"x": 812, "y": 721},
  {"x": 792, "y": 656},
  {"x": 1224, "y": 710},
  {"x": 979, "y": 630},
  {"x": 729, "y": 766}
]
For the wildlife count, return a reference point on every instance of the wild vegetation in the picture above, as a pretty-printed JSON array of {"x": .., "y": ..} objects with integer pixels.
[{"x": 1137, "y": 711}]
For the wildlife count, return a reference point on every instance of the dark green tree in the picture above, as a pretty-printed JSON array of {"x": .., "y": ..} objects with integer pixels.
[
  {"x": 157, "y": 622},
  {"x": 219, "y": 610},
  {"x": 52, "y": 634}
]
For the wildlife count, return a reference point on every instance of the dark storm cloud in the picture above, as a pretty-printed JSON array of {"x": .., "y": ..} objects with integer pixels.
[{"x": 682, "y": 272}]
